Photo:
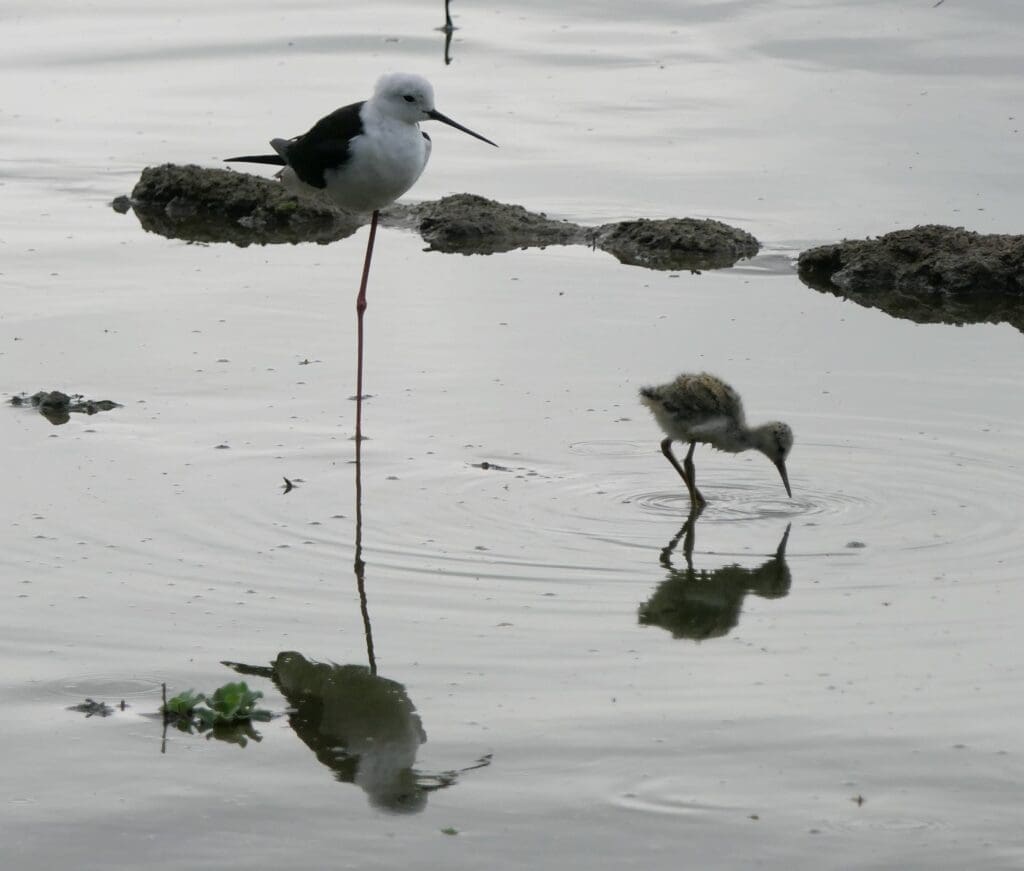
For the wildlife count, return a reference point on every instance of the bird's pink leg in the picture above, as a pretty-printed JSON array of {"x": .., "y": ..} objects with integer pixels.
[{"x": 360, "y": 311}]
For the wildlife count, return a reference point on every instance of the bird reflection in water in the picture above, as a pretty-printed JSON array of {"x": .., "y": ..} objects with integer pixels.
[
  {"x": 700, "y": 604},
  {"x": 362, "y": 726}
]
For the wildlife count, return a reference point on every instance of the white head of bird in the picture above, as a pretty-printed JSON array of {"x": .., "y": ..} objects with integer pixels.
[
  {"x": 409, "y": 98},
  {"x": 404, "y": 96}
]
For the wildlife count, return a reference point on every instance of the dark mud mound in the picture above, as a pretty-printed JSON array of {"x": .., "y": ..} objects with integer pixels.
[
  {"x": 57, "y": 407},
  {"x": 929, "y": 274},
  {"x": 470, "y": 224},
  {"x": 217, "y": 205},
  {"x": 676, "y": 243}
]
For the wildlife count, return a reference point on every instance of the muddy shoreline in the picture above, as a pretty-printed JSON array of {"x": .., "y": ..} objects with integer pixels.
[
  {"x": 198, "y": 204},
  {"x": 928, "y": 274}
]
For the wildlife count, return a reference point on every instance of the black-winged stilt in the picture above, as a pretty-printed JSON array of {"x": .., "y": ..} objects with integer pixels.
[
  {"x": 363, "y": 156},
  {"x": 703, "y": 408}
]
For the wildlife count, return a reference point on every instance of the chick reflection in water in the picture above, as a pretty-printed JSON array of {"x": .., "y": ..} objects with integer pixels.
[
  {"x": 361, "y": 726},
  {"x": 701, "y": 604}
]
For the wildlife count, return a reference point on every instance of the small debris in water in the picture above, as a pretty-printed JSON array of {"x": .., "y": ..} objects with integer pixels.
[
  {"x": 855, "y": 544},
  {"x": 485, "y": 465},
  {"x": 57, "y": 406},
  {"x": 92, "y": 708}
]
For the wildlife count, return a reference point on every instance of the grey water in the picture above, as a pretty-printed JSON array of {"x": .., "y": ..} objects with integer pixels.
[{"x": 854, "y": 703}]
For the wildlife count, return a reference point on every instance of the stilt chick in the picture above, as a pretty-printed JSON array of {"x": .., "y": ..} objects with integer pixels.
[{"x": 703, "y": 408}]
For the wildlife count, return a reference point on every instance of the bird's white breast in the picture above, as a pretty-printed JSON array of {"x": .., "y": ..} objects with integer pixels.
[
  {"x": 385, "y": 161},
  {"x": 721, "y": 433}
]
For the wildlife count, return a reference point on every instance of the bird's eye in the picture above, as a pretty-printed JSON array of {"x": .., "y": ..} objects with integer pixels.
[{"x": 409, "y": 98}]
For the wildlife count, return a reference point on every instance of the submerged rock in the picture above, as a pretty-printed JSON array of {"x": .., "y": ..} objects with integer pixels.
[
  {"x": 57, "y": 407},
  {"x": 928, "y": 274},
  {"x": 219, "y": 205}
]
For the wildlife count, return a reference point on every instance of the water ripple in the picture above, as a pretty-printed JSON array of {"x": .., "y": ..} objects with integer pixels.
[{"x": 101, "y": 686}]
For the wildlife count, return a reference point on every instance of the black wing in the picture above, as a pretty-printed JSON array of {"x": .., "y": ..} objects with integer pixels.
[{"x": 326, "y": 145}]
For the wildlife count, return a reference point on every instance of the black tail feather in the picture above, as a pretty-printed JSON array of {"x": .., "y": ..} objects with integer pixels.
[{"x": 274, "y": 159}]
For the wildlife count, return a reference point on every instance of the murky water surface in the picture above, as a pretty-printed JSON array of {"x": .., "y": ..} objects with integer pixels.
[{"x": 558, "y": 683}]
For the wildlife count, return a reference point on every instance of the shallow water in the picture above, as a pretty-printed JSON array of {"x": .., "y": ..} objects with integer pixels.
[{"x": 516, "y": 509}]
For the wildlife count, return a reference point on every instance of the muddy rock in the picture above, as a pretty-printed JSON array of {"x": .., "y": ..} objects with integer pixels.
[
  {"x": 470, "y": 224},
  {"x": 929, "y": 274},
  {"x": 218, "y": 205},
  {"x": 676, "y": 243}
]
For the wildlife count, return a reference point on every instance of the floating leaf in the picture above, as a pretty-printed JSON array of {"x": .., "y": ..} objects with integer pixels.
[
  {"x": 183, "y": 704},
  {"x": 230, "y": 704}
]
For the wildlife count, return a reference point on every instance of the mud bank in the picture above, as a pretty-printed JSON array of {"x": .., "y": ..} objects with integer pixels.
[
  {"x": 928, "y": 274},
  {"x": 216, "y": 205}
]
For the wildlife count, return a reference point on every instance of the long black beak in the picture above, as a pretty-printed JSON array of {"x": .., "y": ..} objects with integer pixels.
[
  {"x": 444, "y": 119},
  {"x": 781, "y": 466}
]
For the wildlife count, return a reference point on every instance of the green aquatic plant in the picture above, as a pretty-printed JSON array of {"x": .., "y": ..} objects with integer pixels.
[
  {"x": 181, "y": 706},
  {"x": 230, "y": 705},
  {"x": 235, "y": 702}
]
